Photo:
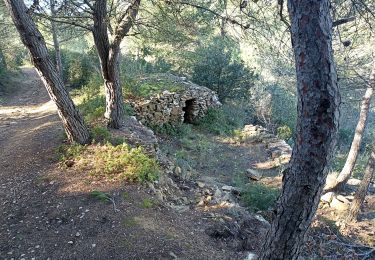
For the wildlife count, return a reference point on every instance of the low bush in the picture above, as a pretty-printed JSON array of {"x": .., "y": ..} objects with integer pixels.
[
  {"x": 284, "y": 132},
  {"x": 223, "y": 120},
  {"x": 110, "y": 161},
  {"x": 124, "y": 162},
  {"x": 178, "y": 130},
  {"x": 68, "y": 152},
  {"x": 92, "y": 100},
  {"x": 100, "y": 134},
  {"x": 147, "y": 85},
  {"x": 148, "y": 203},
  {"x": 258, "y": 196},
  {"x": 102, "y": 196},
  {"x": 78, "y": 67}
]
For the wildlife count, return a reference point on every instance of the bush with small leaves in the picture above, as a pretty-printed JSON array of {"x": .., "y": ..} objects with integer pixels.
[{"x": 258, "y": 196}]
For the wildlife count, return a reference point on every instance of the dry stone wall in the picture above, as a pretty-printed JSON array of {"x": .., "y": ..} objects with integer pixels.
[{"x": 187, "y": 104}]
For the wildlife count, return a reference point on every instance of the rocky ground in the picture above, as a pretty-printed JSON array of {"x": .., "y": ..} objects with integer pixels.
[{"x": 49, "y": 211}]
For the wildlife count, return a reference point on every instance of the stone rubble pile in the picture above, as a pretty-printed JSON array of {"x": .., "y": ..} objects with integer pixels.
[
  {"x": 136, "y": 134},
  {"x": 277, "y": 149}
]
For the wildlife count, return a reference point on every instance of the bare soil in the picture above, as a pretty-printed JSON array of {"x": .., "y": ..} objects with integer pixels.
[{"x": 48, "y": 212}]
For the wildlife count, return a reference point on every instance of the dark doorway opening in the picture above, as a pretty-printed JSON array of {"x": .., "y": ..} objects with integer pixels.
[{"x": 189, "y": 111}]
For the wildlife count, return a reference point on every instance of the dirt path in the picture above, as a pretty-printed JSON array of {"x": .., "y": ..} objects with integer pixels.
[
  {"x": 29, "y": 132},
  {"x": 48, "y": 213}
]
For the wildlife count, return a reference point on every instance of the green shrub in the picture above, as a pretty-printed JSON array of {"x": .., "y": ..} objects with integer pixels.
[
  {"x": 223, "y": 120},
  {"x": 67, "y": 152},
  {"x": 258, "y": 196},
  {"x": 78, "y": 67},
  {"x": 102, "y": 196},
  {"x": 148, "y": 203},
  {"x": 124, "y": 162},
  {"x": 93, "y": 108},
  {"x": 274, "y": 106},
  {"x": 178, "y": 130},
  {"x": 129, "y": 110},
  {"x": 219, "y": 67},
  {"x": 93, "y": 101},
  {"x": 100, "y": 134},
  {"x": 284, "y": 132},
  {"x": 283, "y": 107},
  {"x": 147, "y": 85},
  {"x": 345, "y": 136},
  {"x": 92, "y": 105}
]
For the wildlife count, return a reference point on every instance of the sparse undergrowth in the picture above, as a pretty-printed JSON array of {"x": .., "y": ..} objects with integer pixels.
[
  {"x": 340, "y": 159},
  {"x": 257, "y": 196},
  {"x": 178, "y": 130},
  {"x": 91, "y": 100},
  {"x": 223, "y": 121},
  {"x": 112, "y": 162},
  {"x": 151, "y": 84}
]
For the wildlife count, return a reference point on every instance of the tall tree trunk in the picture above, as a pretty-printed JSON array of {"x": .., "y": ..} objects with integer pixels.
[
  {"x": 114, "y": 96},
  {"x": 109, "y": 58},
  {"x": 360, "y": 194},
  {"x": 56, "y": 43},
  {"x": 346, "y": 172},
  {"x": 317, "y": 124},
  {"x": 33, "y": 40}
]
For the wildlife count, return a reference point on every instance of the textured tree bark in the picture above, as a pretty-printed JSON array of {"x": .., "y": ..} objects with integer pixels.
[
  {"x": 360, "y": 194},
  {"x": 347, "y": 170},
  {"x": 109, "y": 54},
  {"x": 73, "y": 122},
  {"x": 317, "y": 124},
  {"x": 56, "y": 43}
]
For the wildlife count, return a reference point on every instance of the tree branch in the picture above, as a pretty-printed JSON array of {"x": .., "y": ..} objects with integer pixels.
[
  {"x": 343, "y": 21},
  {"x": 225, "y": 18},
  {"x": 125, "y": 25}
]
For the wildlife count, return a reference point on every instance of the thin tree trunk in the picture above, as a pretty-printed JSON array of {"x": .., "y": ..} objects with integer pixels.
[
  {"x": 317, "y": 124},
  {"x": 56, "y": 43},
  {"x": 347, "y": 170},
  {"x": 360, "y": 194},
  {"x": 33, "y": 40},
  {"x": 109, "y": 56},
  {"x": 114, "y": 96}
]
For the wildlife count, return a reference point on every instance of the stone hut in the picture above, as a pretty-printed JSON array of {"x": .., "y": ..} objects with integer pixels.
[{"x": 165, "y": 98}]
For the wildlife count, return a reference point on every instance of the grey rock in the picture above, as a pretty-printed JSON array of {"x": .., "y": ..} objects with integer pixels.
[
  {"x": 327, "y": 197},
  {"x": 339, "y": 205},
  {"x": 177, "y": 171},
  {"x": 254, "y": 174},
  {"x": 227, "y": 188},
  {"x": 180, "y": 208},
  {"x": 218, "y": 193},
  {"x": 251, "y": 256},
  {"x": 201, "y": 184}
]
